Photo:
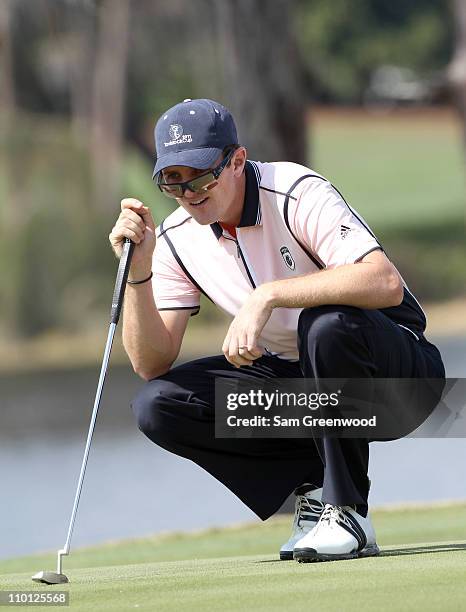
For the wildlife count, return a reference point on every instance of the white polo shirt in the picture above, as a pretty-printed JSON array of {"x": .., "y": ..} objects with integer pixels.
[{"x": 294, "y": 222}]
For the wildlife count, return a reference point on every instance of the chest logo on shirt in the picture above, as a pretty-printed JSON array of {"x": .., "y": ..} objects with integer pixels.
[{"x": 285, "y": 251}]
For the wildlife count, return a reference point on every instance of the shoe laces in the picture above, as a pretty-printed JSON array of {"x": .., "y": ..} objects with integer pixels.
[
  {"x": 332, "y": 515},
  {"x": 306, "y": 509}
]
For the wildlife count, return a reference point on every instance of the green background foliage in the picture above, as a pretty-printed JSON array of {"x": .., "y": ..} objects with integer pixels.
[{"x": 343, "y": 42}]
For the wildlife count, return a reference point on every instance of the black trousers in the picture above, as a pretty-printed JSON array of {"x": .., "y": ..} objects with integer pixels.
[{"x": 176, "y": 410}]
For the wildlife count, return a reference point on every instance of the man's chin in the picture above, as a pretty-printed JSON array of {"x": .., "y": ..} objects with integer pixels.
[
  {"x": 199, "y": 214},
  {"x": 201, "y": 218}
]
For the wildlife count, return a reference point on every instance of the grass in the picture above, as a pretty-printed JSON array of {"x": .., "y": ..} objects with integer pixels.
[
  {"x": 404, "y": 172},
  {"x": 400, "y": 169},
  {"x": 421, "y": 567}
]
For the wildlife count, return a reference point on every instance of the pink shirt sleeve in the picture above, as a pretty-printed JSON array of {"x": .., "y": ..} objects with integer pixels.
[
  {"x": 172, "y": 288},
  {"x": 322, "y": 221}
]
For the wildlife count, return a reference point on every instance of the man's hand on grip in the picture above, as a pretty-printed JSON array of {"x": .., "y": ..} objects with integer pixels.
[{"x": 136, "y": 223}]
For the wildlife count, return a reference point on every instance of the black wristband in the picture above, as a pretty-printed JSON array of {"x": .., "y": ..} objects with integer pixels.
[{"x": 144, "y": 280}]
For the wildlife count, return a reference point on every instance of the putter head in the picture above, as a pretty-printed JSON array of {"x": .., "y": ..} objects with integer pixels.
[{"x": 50, "y": 578}]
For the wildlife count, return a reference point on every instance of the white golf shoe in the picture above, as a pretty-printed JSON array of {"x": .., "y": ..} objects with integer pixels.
[
  {"x": 308, "y": 508},
  {"x": 341, "y": 533}
]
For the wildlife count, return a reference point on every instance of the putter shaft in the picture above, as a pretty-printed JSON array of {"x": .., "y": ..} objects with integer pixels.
[
  {"x": 108, "y": 347},
  {"x": 117, "y": 303}
]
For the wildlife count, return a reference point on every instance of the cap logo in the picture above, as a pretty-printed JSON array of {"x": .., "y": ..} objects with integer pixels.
[{"x": 175, "y": 131}]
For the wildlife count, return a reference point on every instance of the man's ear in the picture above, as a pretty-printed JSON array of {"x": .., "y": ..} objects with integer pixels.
[{"x": 239, "y": 160}]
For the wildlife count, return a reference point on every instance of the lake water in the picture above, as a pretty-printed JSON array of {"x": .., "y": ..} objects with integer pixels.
[{"x": 133, "y": 488}]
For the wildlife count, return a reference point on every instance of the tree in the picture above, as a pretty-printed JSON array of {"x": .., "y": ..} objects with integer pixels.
[
  {"x": 108, "y": 97},
  {"x": 264, "y": 77}
]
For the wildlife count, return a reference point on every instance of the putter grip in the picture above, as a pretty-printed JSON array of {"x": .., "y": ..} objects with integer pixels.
[{"x": 122, "y": 277}]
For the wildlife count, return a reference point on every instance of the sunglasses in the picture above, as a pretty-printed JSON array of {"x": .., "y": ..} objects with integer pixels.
[{"x": 201, "y": 183}]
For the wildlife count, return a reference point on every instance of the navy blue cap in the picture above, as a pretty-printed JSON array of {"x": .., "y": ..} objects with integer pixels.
[{"x": 193, "y": 133}]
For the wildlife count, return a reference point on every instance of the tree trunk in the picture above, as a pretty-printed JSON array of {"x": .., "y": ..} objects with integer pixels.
[
  {"x": 264, "y": 77},
  {"x": 457, "y": 68},
  {"x": 7, "y": 94},
  {"x": 108, "y": 100},
  {"x": 81, "y": 27},
  {"x": 10, "y": 212}
]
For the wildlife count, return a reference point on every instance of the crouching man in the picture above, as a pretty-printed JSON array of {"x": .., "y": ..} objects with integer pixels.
[{"x": 311, "y": 294}]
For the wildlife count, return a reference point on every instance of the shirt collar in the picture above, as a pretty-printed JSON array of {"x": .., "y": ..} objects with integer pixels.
[{"x": 251, "y": 214}]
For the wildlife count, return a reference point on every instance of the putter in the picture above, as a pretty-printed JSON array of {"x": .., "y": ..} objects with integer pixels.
[{"x": 117, "y": 302}]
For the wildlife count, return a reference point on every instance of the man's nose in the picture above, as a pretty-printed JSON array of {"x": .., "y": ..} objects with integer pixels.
[{"x": 190, "y": 194}]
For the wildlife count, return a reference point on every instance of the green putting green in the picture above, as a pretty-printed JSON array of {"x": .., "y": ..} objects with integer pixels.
[{"x": 422, "y": 566}]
